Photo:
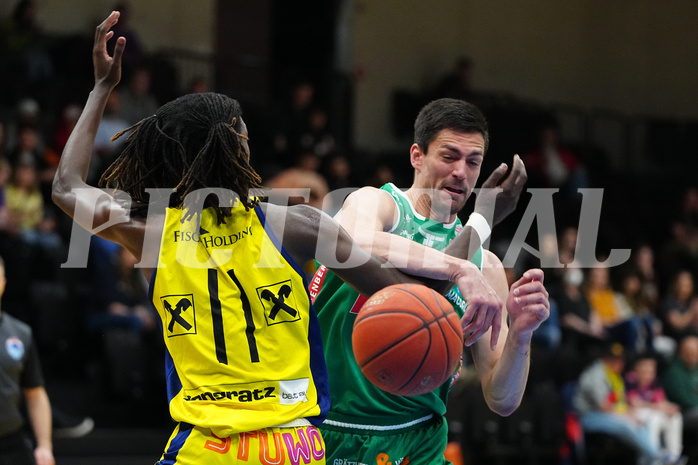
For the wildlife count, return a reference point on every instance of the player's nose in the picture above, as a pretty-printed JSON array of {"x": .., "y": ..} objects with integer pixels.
[{"x": 459, "y": 169}]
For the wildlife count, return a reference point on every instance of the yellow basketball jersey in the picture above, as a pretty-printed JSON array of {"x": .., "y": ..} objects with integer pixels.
[{"x": 243, "y": 344}]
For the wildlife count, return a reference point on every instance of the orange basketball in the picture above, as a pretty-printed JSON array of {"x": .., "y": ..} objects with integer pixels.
[{"x": 407, "y": 339}]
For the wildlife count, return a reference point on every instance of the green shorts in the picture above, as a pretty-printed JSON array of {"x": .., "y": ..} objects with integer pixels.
[{"x": 420, "y": 443}]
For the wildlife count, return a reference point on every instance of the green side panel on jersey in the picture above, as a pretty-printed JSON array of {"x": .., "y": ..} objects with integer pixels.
[{"x": 353, "y": 396}]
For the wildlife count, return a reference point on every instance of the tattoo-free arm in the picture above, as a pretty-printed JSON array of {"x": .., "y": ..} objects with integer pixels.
[
  {"x": 309, "y": 233},
  {"x": 70, "y": 191},
  {"x": 39, "y": 410},
  {"x": 504, "y": 371}
]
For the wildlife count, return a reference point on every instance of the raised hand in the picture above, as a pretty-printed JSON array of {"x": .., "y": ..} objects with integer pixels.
[
  {"x": 528, "y": 302},
  {"x": 107, "y": 69},
  {"x": 484, "y": 309},
  {"x": 501, "y": 196}
]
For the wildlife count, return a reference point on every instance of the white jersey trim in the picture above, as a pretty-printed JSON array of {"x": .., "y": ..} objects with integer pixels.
[
  {"x": 294, "y": 423},
  {"x": 342, "y": 424},
  {"x": 414, "y": 212}
]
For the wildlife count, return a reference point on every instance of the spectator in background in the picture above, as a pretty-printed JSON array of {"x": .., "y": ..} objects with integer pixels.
[
  {"x": 601, "y": 404},
  {"x": 643, "y": 264},
  {"x": 297, "y": 178},
  {"x": 308, "y": 182},
  {"x": 293, "y": 120},
  {"x": 124, "y": 320},
  {"x": 198, "y": 85},
  {"x": 105, "y": 149},
  {"x": 567, "y": 245},
  {"x": 308, "y": 161},
  {"x": 458, "y": 83},
  {"x": 338, "y": 171},
  {"x": 583, "y": 334},
  {"x": 679, "y": 308},
  {"x": 549, "y": 335},
  {"x": 5, "y": 221},
  {"x": 25, "y": 63},
  {"x": 22, "y": 379},
  {"x": 27, "y": 213},
  {"x": 620, "y": 325},
  {"x": 317, "y": 137},
  {"x": 681, "y": 252},
  {"x": 575, "y": 310},
  {"x": 137, "y": 100},
  {"x": 662, "y": 417},
  {"x": 382, "y": 173},
  {"x": 629, "y": 301},
  {"x": 134, "y": 53},
  {"x": 680, "y": 380},
  {"x": 29, "y": 151},
  {"x": 69, "y": 117},
  {"x": 551, "y": 164},
  {"x": 24, "y": 201},
  {"x": 26, "y": 113}
]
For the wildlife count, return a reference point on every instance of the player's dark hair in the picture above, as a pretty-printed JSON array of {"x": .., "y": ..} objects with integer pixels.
[
  {"x": 448, "y": 113},
  {"x": 190, "y": 143}
]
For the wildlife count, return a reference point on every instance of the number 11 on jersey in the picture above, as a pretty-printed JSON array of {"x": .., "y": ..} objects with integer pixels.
[{"x": 217, "y": 317}]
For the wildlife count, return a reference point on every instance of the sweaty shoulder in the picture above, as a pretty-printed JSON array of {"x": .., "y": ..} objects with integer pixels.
[{"x": 369, "y": 208}]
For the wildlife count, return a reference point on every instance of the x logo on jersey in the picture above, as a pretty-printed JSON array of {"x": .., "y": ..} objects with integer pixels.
[
  {"x": 278, "y": 301},
  {"x": 176, "y": 313}
]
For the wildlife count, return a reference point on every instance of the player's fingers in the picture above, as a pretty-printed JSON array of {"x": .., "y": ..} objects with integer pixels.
[
  {"x": 119, "y": 51},
  {"x": 531, "y": 287},
  {"x": 474, "y": 337},
  {"x": 484, "y": 326},
  {"x": 479, "y": 326},
  {"x": 102, "y": 30},
  {"x": 528, "y": 299},
  {"x": 518, "y": 170},
  {"x": 477, "y": 303},
  {"x": 496, "y": 176},
  {"x": 538, "y": 307},
  {"x": 540, "y": 310},
  {"x": 469, "y": 314},
  {"x": 517, "y": 178},
  {"x": 534, "y": 274}
]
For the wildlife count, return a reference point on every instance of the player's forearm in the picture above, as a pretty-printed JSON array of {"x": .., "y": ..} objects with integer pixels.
[
  {"x": 505, "y": 386},
  {"x": 75, "y": 161},
  {"x": 416, "y": 259}
]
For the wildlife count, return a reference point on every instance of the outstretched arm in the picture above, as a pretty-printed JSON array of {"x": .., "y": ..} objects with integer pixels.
[
  {"x": 504, "y": 372},
  {"x": 307, "y": 233},
  {"x": 70, "y": 191}
]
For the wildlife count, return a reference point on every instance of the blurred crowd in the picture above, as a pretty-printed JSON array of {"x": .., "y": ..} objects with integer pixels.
[{"x": 94, "y": 323}]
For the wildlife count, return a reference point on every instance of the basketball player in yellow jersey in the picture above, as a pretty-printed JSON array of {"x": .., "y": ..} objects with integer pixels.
[{"x": 246, "y": 377}]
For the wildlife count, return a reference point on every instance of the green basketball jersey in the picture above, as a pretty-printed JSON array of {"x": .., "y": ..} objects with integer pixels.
[{"x": 355, "y": 400}]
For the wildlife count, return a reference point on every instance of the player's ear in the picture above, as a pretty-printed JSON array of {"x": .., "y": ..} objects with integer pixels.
[{"x": 416, "y": 157}]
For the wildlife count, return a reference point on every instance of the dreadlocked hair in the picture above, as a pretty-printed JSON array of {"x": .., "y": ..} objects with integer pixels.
[{"x": 190, "y": 143}]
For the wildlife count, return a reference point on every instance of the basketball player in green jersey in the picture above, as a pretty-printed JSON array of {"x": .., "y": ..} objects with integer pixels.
[
  {"x": 366, "y": 424},
  {"x": 246, "y": 376}
]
